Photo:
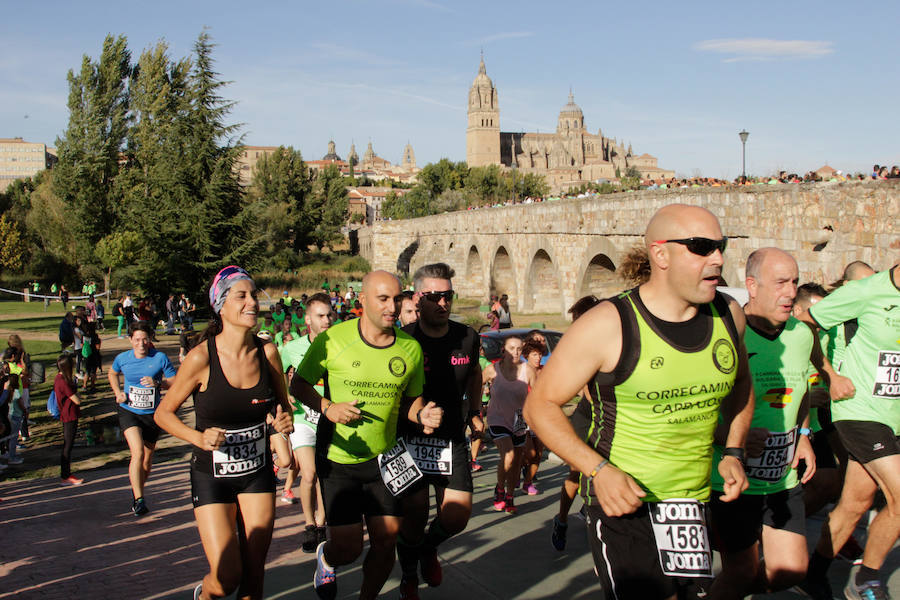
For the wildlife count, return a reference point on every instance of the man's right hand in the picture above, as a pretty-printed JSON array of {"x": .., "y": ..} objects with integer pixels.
[
  {"x": 617, "y": 492},
  {"x": 121, "y": 397},
  {"x": 342, "y": 412}
]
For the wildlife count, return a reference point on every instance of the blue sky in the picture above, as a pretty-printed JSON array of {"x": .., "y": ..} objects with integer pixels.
[{"x": 811, "y": 81}]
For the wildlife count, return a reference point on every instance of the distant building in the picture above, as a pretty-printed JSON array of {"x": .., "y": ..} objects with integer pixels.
[
  {"x": 246, "y": 162},
  {"x": 569, "y": 157},
  {"x": 373, "y": 198},
  {"x": 20, "y": 159}
]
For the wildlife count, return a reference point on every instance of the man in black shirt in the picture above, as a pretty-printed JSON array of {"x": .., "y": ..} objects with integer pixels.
[{"x": 453, "y": 382}]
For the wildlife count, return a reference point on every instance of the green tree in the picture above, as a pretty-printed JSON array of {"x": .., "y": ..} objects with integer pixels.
[
  {"x": 13, "y": 249},
  {"x": 328, "y": 206},
  {"x": 50, "y": 223},
  {"x": 279, "y": 195},
  {"x": 632, "y": 179},
  {"x": 89, "y": 150},
  {"x": 414, "y": 203}
]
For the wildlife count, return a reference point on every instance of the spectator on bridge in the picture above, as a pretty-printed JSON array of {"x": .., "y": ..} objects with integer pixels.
[{"x": 504, "y": 314}]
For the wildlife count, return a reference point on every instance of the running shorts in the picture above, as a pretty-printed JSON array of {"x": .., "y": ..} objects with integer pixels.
[
  {"x": 303, "y": 435},
  {"x": 353, "y": 491},
  {"x": 866, "y": 441},
  {"x": 460, "y": 477},
  {"x": 207, "y": 489},
  {"x": 501, "y": 432},
  {"x": 149, "y": 429},
  {"x": 737, "y": 525},
  {"x": 627, "y": 561}
]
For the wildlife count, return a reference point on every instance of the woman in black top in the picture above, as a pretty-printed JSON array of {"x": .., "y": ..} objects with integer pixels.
[{"x": 231, "y": 470}]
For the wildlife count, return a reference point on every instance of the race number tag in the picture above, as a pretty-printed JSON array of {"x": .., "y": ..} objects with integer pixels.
[
  {"x": 887, "y": 375},
  {"x": 398, "y": 469},
  {"x": 142, "y": 398},
  {"x": 679, "y": 527},
  {"x": 433, "y": 456},
  {"x": 776, "y": 459},
  {"x": 242, "y": 453},
  {"x": 312, "y": 416},
  {"x": 519, "y": 424}
]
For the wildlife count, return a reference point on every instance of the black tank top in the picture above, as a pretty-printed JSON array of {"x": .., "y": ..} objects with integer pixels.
[{"x": 241, "y": 412}]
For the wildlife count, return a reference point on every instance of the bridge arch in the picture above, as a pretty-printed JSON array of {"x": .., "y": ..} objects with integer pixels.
[
  {"x": 406, "y": 258},
  {"x": 598, "y": 270},
  {"x": 542, "y": 289},
  {"x": 503, "y": 275},
  {"x": 474, "y": 275}
]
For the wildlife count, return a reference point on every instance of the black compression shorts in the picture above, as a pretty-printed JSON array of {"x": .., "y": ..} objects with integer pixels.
[
  {"x": 353, "y": 491},
  {"x": 737, "y": 525},
  {"x": 149, "y": 429},
  {"x": 208, "y": 489}
]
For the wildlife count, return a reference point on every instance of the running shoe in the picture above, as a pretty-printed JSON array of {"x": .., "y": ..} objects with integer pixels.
[
  {"x": 324, "y": 579},
  {"x": 430, "y": 566},
  {"x": 321, "y": 535},
  {"x": 509, "y": 506},
  {"x": 309, "y": 539},
  {"x": 851, "y": 551},
  {"x": 70, "y": 480},
  {"x": 16, "y": 460},
  {"x": 476, "y": 466},
  {"x": 870, "y": 590},
  {"x": 558, "y": 537},
  {"x": 288, "y": 498},
  {"x": 139, "y": 507},
  {"x": 197, "y": 591},
  {"x": 529, "y": 489},
  {"x": 409, "y": 589},
  {"x": 499, "y": 500}
]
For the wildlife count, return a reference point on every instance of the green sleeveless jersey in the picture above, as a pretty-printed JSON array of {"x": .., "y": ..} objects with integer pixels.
[
  {"x": 376, "y": 377},
  {"x": 654, "y": 415},
  {"x": 779, "y": 365},
  {"x": 292, "y": 354},
  {"x": 872, "y": 358}
]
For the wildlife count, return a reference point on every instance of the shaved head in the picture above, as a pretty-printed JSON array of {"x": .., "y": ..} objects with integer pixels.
[
  {"x": 857, "y": 270},
  {"x": 375, "y": 278},
  {"x": 677, "y": 221}
]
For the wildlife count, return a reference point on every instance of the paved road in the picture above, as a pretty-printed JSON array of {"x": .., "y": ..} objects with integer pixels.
[{"x": 69, "y": 543}]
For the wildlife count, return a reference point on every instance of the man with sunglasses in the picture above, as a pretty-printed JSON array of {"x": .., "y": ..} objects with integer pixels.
[
  {"x": 771, "y": 511},
  {"x": 661, "y": 361},
  {"x": 453, "y": 382}
]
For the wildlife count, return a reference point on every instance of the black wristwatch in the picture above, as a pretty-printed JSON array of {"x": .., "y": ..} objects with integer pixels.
[
  {"x": 738, "y": 453},
  {"x": 474, "y": 413}
]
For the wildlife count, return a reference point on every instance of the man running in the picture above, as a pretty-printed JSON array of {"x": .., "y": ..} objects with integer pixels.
[
  {"x": 780, "y": 349},
  {"x": 319, "y": 318},
  {"x": 370, "y": 369},
  {"x": 868, "y": 423},
  {"x": 453, "y": 382},
  {"x": 672, "y": 357}
]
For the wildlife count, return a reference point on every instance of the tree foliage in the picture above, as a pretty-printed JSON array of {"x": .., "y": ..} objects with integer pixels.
[{"x": 12, "y": 246}]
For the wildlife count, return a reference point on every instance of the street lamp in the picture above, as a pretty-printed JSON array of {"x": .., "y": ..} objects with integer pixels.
[{"x": 744, "y": 135}]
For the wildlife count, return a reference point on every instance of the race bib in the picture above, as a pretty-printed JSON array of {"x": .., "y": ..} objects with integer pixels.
[
  {"x": 519, "y": 424},
  {"x": 679, "y": 527},
  {"x": 776, "y": 459},
  {"x": 433, "y": 456},
  {"x": 887, "y": 375},
  {"x": 311, "y": 416},
  {"x": 398, "y": 469},
  {"x": 243, "y": 452},
  {"x": 142, "y": 398}
]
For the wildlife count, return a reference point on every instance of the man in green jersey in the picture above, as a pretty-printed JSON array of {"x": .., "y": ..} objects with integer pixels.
[
  {"x": 780, "y": 349},
  {"x": 319, "y": 318},
  {"x": 868, "y": 423},
  {"x": 370, "y": 367},
  {"x": 671, "y": 360}
]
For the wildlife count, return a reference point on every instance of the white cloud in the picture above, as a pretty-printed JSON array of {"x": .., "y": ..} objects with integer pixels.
[
  {"x": 761, "y": 49},
  {"x": 498, "y": 37}
]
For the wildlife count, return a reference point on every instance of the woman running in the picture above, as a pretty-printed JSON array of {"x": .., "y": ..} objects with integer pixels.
[
  {"x": 146, "y": 370},
  {"x": 232, "y": 482},
  {"x": 510, "y": 379}
]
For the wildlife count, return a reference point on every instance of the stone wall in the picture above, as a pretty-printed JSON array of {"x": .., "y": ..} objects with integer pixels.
[{"x": 546, "y": 256}]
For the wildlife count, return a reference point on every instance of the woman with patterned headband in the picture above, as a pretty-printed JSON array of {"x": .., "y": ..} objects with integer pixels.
[{"x": 231, "y": 472}]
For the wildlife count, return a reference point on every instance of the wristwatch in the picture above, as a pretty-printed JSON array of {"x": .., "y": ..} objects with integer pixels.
[{"x": 738, "y": 453}]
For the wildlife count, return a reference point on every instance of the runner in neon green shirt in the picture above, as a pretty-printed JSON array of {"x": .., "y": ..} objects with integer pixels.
[
  {"x": 371, "y": 370},
  {"x": 868, "y": 421},
  {"x": 687, "y": 340}
]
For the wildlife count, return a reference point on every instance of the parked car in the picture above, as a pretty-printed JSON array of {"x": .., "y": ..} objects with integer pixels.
[{"x": 492, "y": 341}]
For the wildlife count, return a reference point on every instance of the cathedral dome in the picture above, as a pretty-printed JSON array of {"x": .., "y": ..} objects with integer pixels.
[
  {"x": 332, "y": 155},
  {"x": 571, "y": 108},
  {"x": 482, "y": 78}
]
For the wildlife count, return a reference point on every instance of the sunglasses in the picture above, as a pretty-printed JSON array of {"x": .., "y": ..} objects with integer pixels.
[
  {"x": 436, "y": 296},
  {"x": 700, "y": 246}
]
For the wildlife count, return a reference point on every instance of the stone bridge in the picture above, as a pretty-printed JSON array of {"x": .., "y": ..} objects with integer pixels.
[{"x": 545, "y": 256}]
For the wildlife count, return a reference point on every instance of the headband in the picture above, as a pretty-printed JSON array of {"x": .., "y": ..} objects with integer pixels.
[{"x": 222, "y": 282}]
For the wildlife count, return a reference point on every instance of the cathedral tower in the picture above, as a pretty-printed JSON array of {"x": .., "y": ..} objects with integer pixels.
[{"x": 483, "y": 131}]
